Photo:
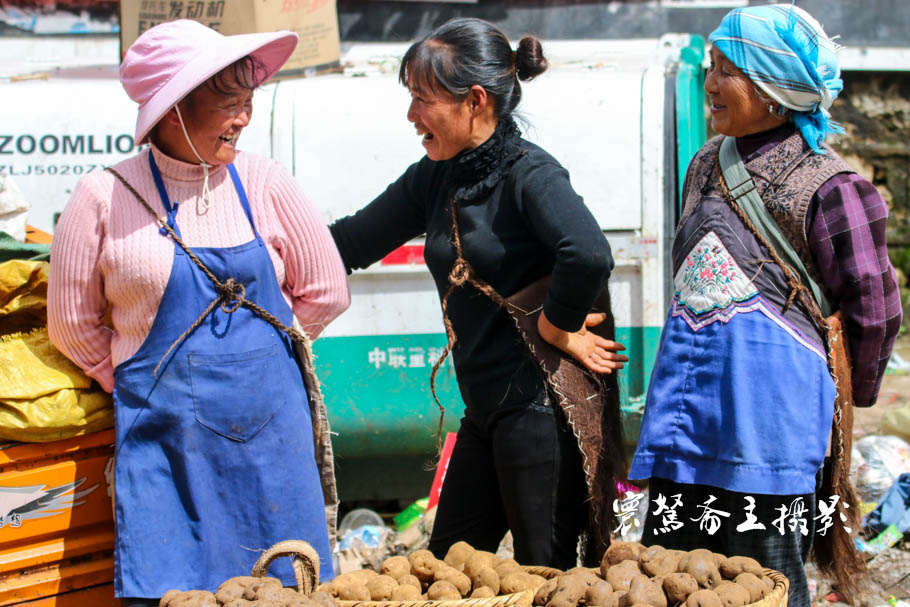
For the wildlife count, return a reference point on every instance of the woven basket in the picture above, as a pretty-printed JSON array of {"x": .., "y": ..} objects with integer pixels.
[
  {"x": 547, "y": 573},
  {"x": 305, "y": 562},
  {"x": 779, "y": 595},
  {"x": 518, "y": 599},
  {"x": 306, "y": 570}
]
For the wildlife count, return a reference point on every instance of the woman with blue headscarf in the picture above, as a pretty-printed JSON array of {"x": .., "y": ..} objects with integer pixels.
[{"x": 777, "y": 234}]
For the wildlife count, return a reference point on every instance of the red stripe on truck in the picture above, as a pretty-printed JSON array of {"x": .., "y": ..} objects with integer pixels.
[{"x": 408, "y": 254}]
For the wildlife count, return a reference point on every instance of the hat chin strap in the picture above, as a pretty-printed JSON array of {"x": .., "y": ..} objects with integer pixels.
[{"x": 206, "y": 194}]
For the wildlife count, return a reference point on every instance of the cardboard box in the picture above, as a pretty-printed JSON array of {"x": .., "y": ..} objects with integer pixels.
[{"x": 315, "y": 21}]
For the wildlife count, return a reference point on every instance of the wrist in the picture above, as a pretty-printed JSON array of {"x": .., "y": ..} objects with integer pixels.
[{"x": 550, "y": 333}]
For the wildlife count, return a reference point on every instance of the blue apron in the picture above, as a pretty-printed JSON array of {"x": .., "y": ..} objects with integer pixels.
[{"x": 215, "y": 459}]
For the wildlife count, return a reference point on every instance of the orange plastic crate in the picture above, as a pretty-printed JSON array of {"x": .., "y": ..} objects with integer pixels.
[{"x": 56, "y": 523}]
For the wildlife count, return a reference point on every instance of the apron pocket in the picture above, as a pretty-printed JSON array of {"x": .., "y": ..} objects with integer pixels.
[{"x": 236, "y": 395}]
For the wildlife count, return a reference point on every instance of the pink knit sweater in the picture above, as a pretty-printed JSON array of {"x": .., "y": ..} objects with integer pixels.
[{"x": 107, "y": 254}]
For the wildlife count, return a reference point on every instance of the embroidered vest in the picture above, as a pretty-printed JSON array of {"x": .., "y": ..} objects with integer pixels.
[{"x": 786, "y": 178}]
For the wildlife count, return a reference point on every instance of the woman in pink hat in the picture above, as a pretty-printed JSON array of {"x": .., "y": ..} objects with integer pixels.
[{"x": 205, "y": 257}]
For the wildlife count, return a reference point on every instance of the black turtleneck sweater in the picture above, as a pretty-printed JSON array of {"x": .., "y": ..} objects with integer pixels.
[{"x": 519, "y": 220}]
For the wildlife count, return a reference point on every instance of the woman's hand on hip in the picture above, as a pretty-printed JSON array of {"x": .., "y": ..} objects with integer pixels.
[{"x": 593, "y": 351}]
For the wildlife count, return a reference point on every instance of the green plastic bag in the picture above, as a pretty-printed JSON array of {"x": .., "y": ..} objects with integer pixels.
[{"x": 897, "y": 422}]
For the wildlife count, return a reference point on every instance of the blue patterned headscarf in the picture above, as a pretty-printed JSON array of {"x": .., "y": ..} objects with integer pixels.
[{"x": 785, "y": 52}]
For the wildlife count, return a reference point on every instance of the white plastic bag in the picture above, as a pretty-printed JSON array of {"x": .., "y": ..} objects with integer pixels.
[
  {"x": 13, "y": 209},
  {"x": 884, "y": 458}
]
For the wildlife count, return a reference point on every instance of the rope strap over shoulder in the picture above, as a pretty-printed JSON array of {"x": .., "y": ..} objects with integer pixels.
[{"x": 231, "y": 292}]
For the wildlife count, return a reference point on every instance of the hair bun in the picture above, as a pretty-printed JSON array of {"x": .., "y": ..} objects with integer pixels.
[{"x": 529, "y": 59}]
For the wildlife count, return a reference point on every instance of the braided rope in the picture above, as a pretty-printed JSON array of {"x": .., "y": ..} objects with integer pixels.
[
  {"x": 462, "y": 272},
  {"x": 231, "y": 292}
]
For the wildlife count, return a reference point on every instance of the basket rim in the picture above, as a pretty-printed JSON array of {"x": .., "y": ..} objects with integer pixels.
[
  {"x": 778, "y": 597},
  {"x": 517, "y": 599}
]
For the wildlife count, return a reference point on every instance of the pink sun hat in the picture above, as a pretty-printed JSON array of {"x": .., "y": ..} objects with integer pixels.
[{"x": 168, "y": 61}]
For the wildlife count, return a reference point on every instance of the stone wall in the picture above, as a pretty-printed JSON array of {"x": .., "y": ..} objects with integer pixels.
[{"x": 874, "y": 109}]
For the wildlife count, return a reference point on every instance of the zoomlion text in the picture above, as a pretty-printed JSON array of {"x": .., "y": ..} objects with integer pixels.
[{"x": 50, "y": 144}]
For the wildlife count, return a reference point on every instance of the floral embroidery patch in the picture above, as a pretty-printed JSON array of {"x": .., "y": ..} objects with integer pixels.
[{"x": 709, "y": 278}]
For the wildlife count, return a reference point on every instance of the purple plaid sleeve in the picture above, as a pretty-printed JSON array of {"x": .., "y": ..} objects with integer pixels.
[{"x": 846, "y": 232}]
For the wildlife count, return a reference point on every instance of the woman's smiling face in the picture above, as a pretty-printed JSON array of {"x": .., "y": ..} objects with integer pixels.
[
  {"x": 215, "y": 119},
  {"x": 736, "y": 108},
  {"x": 443, "y": 121}
]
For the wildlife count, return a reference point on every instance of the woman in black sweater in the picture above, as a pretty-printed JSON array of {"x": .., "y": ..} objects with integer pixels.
[{"x": 518, "y": 220}]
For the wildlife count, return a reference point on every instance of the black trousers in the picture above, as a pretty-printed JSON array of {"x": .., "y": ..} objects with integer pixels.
[
  {"x": 787, "y": 553},
  {"x": 134, "y": 602},
  {"x": 516, "y": 469}
]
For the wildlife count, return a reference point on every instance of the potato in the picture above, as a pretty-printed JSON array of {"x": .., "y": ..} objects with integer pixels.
[
  {"x": 381, "y": 587},
  {"x": 570, "y": 589},
  {"x": 752, "y": 584},
  {"x": 458, "y": 553},
  {"x": 251, "y": 593},
  {"x": 363, "y": 575},
  {"x": 703, "y": 568},
  {"x": 443, "y": 591},
  {"x": 405, "y": 592},
  {"x": 423, "y": 565},
  {"x": 489, "y": 578},
  {"x": 598, "y": 593},
  {"x": 619, "y": 552},
  {"x": 703, "y": 598},
  {"x": 272, "y": 593},
  {"x": 167, "y": 596},
  {"x": 360, "y": 577},
  {"x": 237, "y": 603},
  {"x": 621, "y": 575},
  {"x": 298, "y": 601},
  {"x": 733, "y": 566},
  {"x": 658, "y": 580},
  {"x": 661, "y": 563},
  {"x": 768, "y": 582},
  {"x": 683, "y": 562},
  {"x": 190, "y": 598},
  {"x": 545, "y": 592},
  {"x": 456, "y": 577},
  {"x": 328, "y": 588},
  {"x": 395, "y": 566},
  {"x": 644, "y": 591},
  {"x": 483, "y": 592},
  {"x": 537, "y": 581},
  {"x": 352, "y": 591},
  {"x": 477, "y": 561},
  {"x": 650, "y": 552},
  {"x": 507, "y": 566},
  {"x": 232, "y": 588},
  {"x": 410, "y": 580},
  {"x": 614, "y": 599},
  {"x": 322, "y": 598},
  {"x": 678, "y": 587},
  {"x": 731, "y": 594},
  {"x": 290, "y": 595},
  {"x": 516, "y": 582},
  {"x": 584, "y": 573}
]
